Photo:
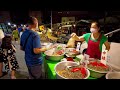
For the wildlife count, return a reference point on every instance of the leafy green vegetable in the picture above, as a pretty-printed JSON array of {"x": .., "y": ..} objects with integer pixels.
[{"x": 59, "y": 48}]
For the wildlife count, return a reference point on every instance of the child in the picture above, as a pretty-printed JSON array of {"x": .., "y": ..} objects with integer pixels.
[{"x": 9, "y": 58}]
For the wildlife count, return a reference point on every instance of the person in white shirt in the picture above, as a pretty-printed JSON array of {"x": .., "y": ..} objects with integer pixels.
[
  {"x": 1, "y": 60},
  {"x": 1, "y": 36},
  {"x": 21, "y": 32}
]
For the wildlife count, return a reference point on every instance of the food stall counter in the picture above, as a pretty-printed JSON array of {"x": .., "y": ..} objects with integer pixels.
[{"x": 49, "y": 68}]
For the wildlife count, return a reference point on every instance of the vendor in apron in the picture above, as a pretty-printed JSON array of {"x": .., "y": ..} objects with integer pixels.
[{"x": 95, "y": 40}]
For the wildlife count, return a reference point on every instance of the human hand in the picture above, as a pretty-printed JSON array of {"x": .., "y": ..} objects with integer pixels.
[
  {"x": 43, "y": 49},
  {"x": 14, "y": 49},
  {"x": 48, "y": 47},
  {"x": 73, "y": 35}
]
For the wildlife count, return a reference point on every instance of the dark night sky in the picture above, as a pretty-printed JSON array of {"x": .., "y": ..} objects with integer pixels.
[{"x": 19, "y": 17}]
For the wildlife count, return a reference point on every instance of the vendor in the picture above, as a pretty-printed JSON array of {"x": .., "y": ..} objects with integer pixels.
[{"x": 95, "y": 40}]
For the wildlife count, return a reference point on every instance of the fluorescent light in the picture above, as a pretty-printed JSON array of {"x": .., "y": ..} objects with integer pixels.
[
  {"x": 9, "y": 23},
  {"x": 14, "y": 25}
]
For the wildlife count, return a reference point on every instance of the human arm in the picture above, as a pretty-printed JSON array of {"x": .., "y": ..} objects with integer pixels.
[
  {"x": 21, "y": 44},
  {"x": 37, "y": 49},
  {"x": 13, "y": 35},
  {"x": 77, "y": 38},
  {"x": 1, "y": 35},
  {"x": 107, "y": 45},
  {"x": 14, "y": 48},
  {"x": 12, "y": 32},
  {"x": 74, "y": 37}
]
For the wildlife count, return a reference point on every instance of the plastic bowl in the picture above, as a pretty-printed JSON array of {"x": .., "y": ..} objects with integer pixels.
[
  {"x": 98, "y": 74},
  {"x": 113, "y": 75},
  {"x": 52, "y": 57},
  {"x": 62, "y": 65}
]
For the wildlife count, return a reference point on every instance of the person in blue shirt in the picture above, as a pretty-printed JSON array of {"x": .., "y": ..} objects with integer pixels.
[
  {"x": 19, "y": 29},
  {"x": 32, "y": 49}
]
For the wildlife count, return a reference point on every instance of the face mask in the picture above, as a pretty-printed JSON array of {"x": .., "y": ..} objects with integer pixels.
[{"x": 93, "y": 30}]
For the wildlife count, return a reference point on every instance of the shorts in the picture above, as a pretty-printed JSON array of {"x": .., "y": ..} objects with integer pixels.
[
  {"x": 16, "y": 39},
  {"x": 35, "y": 72}
]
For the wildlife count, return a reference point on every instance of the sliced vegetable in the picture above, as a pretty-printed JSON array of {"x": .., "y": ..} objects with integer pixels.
[
  {"x": 69, "y": 59},
  {"x": 59, "y": 48},
  {"x": 96, "y": 65},
  {"x": 75, "y": 69}
]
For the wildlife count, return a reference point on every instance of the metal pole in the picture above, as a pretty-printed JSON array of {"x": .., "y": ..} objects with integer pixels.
[
  {"x": 51, "y": 20},
  {"x": 117, "y": 30},
  {"x": 105, "y": 20}
]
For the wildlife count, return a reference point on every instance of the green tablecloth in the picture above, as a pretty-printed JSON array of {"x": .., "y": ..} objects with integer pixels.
[
  {"x": 51, "y": 71},
  {"x": 49, "y": 68}
]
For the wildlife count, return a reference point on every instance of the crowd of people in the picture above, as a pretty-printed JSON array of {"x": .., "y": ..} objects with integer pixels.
[{"x": 30, "y": 43}]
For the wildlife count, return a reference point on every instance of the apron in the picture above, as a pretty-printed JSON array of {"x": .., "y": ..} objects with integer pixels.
[{"x": 93, "y": 48}]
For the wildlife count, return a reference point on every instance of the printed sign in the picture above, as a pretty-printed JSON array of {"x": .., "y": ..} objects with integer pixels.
[
  {"x": 104, "y": 56},
  {"x": 78, "y": 46}
]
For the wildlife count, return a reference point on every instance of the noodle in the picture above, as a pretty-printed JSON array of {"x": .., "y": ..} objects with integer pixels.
[{"x": 71, "y": 75}]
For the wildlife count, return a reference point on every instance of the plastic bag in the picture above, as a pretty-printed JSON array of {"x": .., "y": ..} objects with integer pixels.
[{"x": 71, "y": 43}]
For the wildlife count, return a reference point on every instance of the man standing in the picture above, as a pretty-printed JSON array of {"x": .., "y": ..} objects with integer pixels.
[
  {"x": 19, "y": 29},
  {"x": 30, "y": 43}
]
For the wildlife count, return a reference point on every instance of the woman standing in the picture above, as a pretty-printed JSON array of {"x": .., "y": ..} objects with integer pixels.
[
  {"x": 95, "y": 40},
  {"x": 9, "y": 58},
  {"x": 1, "y": 56}
]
